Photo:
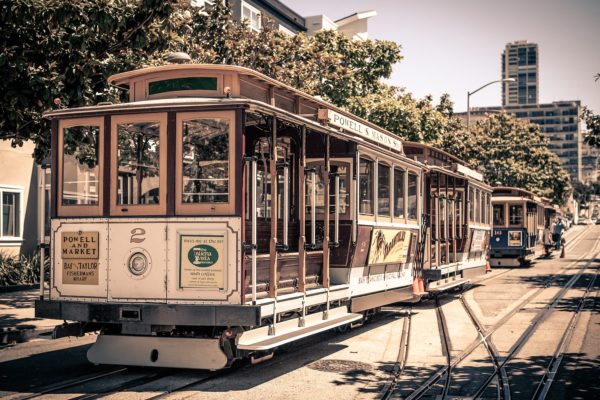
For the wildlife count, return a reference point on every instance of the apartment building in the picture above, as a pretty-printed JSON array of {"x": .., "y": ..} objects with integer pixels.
[{"x": 520, "y": 62}]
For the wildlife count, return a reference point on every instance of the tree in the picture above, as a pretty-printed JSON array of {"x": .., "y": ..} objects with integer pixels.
[
  {"x": 66, "y": 49},
  {"x": 513, "y": 152},
  {"x": 592, "y": 136}
]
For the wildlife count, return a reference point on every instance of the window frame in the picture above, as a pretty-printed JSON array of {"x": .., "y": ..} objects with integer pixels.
[
  {"x": 78, "y": 210},
  {"x": 418, "y": 196},
  {"x": 389, "y": 187},
  {"x": 252, "y": 9},
  {"x": 21, "y": 217},
  {"x": 139, "y": 209},
  {"x": 373, "y": 178},
  {"x": 395, "y": 197},
  {"x": 204, "y": 208}
]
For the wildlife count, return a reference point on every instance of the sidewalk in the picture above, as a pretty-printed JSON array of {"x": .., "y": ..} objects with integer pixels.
[{"x": 17, "y": 313}]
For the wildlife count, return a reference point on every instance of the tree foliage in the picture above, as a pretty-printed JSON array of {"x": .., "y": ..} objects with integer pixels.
[
  {"x": 592, "y": 136},
  {"x": 66, "y": 49},
  {"x": 511, "y": 152}
]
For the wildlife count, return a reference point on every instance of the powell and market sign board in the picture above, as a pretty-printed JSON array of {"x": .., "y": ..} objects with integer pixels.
[
  {"x": 202, "y": 261},
  {"x": 341, "y": 121},
  {"x": 79, "y": 253}
]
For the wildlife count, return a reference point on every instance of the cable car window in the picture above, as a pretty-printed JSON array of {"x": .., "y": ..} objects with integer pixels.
[
  {"x": 471, "y": 205},
  {"x": 515, "y": 214},
  {"x": 80, "y": 165},
  {"x": 366, "y": 187},
  {"x": 412, "y": 196},
  {"x": 399, "y": 176},
  {"x": 205, "y": 161},
  {"x": 383, "y": 190},
  {"x": 182, "y": 84},
  {"x": 138, "y": 162},
  {"x": 342, "y": 171},
  {"x": 498, "y": 214}
]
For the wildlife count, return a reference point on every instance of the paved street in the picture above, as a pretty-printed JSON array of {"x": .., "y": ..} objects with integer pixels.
[{"x": 523, "y": 313}]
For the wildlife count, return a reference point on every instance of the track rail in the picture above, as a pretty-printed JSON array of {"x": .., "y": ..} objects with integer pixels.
[
  {"x": 545, "y": 383},
  {"x": 401, "y": 360},
  {"x": 433, "y": 379},
  {"x": 503, "y": 383},
  {"x": 540, "y": 316}
]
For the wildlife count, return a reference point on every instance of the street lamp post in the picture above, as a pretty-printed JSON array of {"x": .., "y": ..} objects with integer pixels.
[{"x": 477, "y": 90}]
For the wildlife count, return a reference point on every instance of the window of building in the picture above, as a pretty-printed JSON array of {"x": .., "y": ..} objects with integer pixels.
[
  {"x": 383, "y": 190},
  {"x": 366, "y": 186},
  {"x": 515, "y": 214},
  {"x": 252, "y": 15},
  {"x": 10, "y": 215},
  {"x": 286, "y": 30},
  {"x": 412, "y": 195},
  {"x": 399, "y": 177}
]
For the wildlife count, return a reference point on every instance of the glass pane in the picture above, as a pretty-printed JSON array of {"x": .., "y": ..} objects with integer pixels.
[
  {"x": 412, "y": 196},
  {"x": 205, "y": 161},
  {"x": 178, "y": 84},
  {"x": 398, "y": 193},
  {"x": 80, "y": 165},
  {"x": 498, "y": 214},
  {"x": 342, "y": 170},
  {"x": 515, "y": 215},
  {"x": 366, "y": 186},
  {"x": 10, "y": 214},
  {"x": 138, "y": 163},
  {"x": 383, "y": 190}
]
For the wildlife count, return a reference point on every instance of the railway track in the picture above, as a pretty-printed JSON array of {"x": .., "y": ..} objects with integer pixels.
[
  {"x": 484, "y": 335},
  {"x": 401, "y": 360},
  {"x": 545, "y": 383}
]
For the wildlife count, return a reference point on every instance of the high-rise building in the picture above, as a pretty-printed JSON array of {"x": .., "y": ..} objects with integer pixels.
[{"x": 520, "y": 62}]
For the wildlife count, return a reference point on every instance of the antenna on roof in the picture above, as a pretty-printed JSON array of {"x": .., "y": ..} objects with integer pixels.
[{"x": 178, "y": 58}]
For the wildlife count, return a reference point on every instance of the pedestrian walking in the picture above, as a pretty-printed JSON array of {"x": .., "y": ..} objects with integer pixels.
[{"x": 558, "y": 232}]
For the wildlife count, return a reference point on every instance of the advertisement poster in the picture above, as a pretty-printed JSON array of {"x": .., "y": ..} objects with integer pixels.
[
  {"x": 478, "y": 241},
  {"x": 202, "y": 261},
  {"x": 389, "y": 246},
  {"x": 79, "y": 253},
  {"x": 515, "y": 238}
]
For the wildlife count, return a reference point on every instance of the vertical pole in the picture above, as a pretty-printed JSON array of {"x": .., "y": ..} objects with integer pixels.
[
  {"x": 286, "y": 204},
  {"x": 41, "y": 198},
  {"x": 274, "y": 206},
  {"x": 302, "y": 214},
  {"x": 336, "y": 223},
  {"x": 254, "y": 236},
  {"x": 313, "y": 207},
  {"x": 326, "y": 215}
]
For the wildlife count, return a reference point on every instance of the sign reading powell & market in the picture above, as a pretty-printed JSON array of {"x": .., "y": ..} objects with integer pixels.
[
  {"x": 202, "y": 261},
  {"x": 349, "y": 124}
]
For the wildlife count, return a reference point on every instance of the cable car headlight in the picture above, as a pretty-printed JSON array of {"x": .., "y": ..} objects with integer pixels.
[{"x": 138, "y": 264}]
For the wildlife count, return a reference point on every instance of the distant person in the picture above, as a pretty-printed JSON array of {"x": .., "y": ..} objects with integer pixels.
[{"x": 558, "y": 232}]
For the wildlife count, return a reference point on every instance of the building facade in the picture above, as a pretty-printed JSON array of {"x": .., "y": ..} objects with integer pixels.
[
  {"x": 260, "y": 13},
  {"x": 520, "y": 62},
  {"x": 559, "y": 122},
  {"x": 18, "y": 199}
]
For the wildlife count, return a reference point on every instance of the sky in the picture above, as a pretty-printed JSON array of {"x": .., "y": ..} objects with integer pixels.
[{"x": 454, "y": 46}]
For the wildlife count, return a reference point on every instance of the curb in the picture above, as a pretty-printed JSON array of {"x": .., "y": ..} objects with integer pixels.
[{"x": 18, "y": 288}]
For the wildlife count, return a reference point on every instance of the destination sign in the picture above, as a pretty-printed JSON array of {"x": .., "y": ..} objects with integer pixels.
[
  {"x": 367, "y": 132},
  {"x": 79, "y": 251}
]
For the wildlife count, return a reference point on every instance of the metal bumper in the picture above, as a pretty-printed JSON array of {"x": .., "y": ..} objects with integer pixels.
[
  {"x": 150, "y": 314},
  {"x": 152, "y": 351}
]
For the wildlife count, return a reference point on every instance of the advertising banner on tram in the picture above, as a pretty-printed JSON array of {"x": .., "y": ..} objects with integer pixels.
[{"x": 202, "y": 261}]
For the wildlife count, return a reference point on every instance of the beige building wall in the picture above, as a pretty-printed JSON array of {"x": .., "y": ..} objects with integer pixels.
[{"x": 18, "y": 176}]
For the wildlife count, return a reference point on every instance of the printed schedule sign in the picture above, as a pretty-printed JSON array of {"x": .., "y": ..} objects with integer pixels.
[
  {"x": 79, "y": 251},
  {"x": 202, "y": 261}
]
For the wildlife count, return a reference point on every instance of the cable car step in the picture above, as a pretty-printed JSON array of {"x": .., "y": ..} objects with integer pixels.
[
  {"x": 290, "y": 330},
  {"x": 446, "y": 286}
]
